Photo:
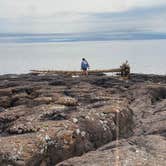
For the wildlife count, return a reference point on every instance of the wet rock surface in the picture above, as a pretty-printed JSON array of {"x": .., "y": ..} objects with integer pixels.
[{"x": 47, "y": 120}]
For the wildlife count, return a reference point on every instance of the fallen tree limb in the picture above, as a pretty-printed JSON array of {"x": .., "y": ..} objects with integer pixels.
[
  {"x": 124, "y": 70},
  {"x": 74, "y": 72}
]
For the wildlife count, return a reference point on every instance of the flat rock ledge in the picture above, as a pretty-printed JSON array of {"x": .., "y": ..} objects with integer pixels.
[{"x": 48, "y": 120}]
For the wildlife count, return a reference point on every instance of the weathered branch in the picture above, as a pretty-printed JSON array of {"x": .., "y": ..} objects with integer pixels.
[{"x": 124, "y": 70}]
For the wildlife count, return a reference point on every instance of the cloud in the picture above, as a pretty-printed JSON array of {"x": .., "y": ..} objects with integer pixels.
[
  {"x": 79, "y": 16},
  {"x": 19, "y": 8},
  {"x": 142, "y": 19}
]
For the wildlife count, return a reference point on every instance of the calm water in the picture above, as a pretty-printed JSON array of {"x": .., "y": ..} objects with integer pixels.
[{"x": 145, "y": 56}]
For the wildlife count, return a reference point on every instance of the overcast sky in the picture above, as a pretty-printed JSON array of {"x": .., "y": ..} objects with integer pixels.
[{"x": 71, "y": 16}]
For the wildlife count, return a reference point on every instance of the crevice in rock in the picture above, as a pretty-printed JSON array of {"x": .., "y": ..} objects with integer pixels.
[{"x": 158, "y": 94}]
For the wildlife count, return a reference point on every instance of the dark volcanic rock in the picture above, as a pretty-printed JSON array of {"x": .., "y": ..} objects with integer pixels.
[
  {"x": 46, "y": 119},
  {"x": 147, "y": 144},
  {"x": 2, "y": 109},
  {"x": 145, "y": 150}
]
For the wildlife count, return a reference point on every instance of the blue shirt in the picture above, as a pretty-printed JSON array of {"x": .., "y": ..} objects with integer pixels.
[{"x": 84, "y": 65}]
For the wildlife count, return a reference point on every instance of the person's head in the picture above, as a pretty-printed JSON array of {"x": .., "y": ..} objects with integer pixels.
[{"x": 83, "y": 59}]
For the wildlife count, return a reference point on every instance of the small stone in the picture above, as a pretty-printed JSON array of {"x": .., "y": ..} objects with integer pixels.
[
  {"x": 68, "y": 101},
  {"x": 117, "y": 110},
  {"x": 47, "y": 138},
  {"x": 104, "y": 128},
  {"x": 42, "y": 151},
  {"x": 87, "y": 117},
  {"x": 83, "y": 133},
  {"x": 77, "y": 131},
  {"x": 75, "y": 120},
  {"x": 102, "y": 114},
  {"x": 101, "y": 122}
]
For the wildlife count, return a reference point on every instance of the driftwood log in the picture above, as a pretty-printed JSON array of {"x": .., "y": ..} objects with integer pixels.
[{"x": 124, "y": 71}]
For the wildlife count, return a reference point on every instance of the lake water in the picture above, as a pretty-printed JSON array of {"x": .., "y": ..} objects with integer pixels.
[{"x": 144, "y": 56}]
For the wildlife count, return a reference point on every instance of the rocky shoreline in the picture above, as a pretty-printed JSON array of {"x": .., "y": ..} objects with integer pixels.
[{"x": 48, "y": 120}]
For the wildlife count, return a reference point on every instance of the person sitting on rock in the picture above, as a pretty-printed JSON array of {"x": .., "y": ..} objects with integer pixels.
[{"x": 84, "y": 66}]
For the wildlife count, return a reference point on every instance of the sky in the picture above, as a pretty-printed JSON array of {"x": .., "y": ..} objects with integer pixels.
[{"x": 82, "y": 16}]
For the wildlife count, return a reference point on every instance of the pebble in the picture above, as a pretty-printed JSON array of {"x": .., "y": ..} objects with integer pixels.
[
  {"x": 47, "y": 138},
  {"x": 101, "y": 122},
  {"x": 87, "y": 117},
  {"x": 83, "y": 133},
  {"x": 77, "y": 131},
  {"x": 102, "y": 114},
  {"x": 75, "y": 120}
]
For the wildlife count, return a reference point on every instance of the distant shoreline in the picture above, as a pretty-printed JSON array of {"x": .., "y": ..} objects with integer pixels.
[{"x": 78, "y": 37}]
